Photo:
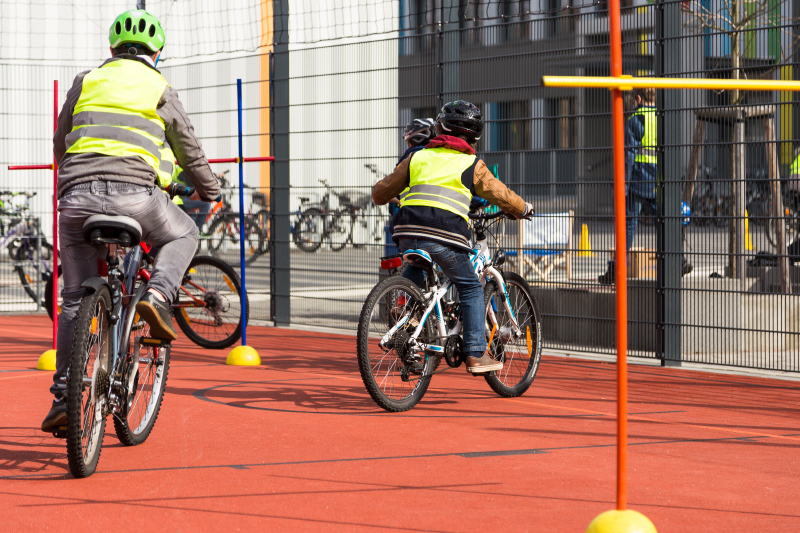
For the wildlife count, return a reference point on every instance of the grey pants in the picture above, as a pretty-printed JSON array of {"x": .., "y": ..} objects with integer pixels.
[{"x": 163, "y": 225}]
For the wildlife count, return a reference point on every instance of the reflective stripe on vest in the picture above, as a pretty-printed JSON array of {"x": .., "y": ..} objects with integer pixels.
[
  {"x": 435, "y": 180},
  {"x": 647, "y": 152},
  {"x": 116, "y": 115}
]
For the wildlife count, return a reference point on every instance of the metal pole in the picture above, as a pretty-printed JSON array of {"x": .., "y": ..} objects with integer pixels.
[
  {"x": 241, "y": 215},
  {"x": 55, "y": 220},
  {"x": 617, "y": 117}
]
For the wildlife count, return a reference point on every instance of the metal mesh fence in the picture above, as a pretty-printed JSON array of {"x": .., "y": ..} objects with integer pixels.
[{"x": 333, "y": 114}]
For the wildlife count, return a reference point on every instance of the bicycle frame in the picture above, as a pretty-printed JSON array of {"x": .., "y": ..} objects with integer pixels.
[{"x": 482, "y": 263}]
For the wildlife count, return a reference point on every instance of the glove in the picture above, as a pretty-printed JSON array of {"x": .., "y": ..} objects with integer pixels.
[
  {"x": 528, "y": 213},
  {"x": 477, "y": 202}
]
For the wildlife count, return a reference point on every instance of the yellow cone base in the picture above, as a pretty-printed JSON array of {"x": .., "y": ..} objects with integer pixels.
[
  {"x": 243, "y": 356},
  {"x": 627, "y": 521},
  {"x": 47, "y": 361}
]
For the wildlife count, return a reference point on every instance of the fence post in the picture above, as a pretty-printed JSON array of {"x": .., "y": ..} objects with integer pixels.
[
  {"x": 280, "y": 257},
  {"x": 669, "y": 244}
]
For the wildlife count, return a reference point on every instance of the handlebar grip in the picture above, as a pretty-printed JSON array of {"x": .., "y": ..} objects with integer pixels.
[{"x": 176, "y": 189}]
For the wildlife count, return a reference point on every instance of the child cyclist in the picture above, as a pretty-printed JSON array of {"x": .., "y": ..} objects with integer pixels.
[{"x": 441, "y": 181}]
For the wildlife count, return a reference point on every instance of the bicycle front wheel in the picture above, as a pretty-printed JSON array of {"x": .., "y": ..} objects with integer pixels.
[
  {"x": 144, "y": 371},
  {"x": 520, "y": 356},
  {"x": 88, "y": 383},
  {"x": 340, "y": 229},
  {"x": 309, "y": 229},
  {"x": 208, "y": 304},
  {"x": 394, "y": 381}
]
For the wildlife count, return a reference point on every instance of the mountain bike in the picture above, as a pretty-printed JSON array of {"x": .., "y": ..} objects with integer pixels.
[
  {"x": 115, "y": 367},
  {"x": 404, "y": 330}
]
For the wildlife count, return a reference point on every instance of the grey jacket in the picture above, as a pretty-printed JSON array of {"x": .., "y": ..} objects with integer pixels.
[{"x": 82, "y": 168}]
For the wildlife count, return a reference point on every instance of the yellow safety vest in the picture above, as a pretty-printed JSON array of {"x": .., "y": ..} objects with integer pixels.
[
  {"x": 795, "y": 168},
  {"x": 435, "y": 180},
  {"x": 116, "y": 115},
  {"x": 647, "y": 152}
]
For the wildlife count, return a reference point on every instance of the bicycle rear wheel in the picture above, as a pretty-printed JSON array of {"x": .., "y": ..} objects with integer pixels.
[
  {"x": 392, "y": 380},
  {"x": 520, "y": 360},
  {"x": 88, "y": 383},
  {"x": 145, "y": 371},
  {"x": 208, "y": 304},
  {"x": 340, "y": 229}
]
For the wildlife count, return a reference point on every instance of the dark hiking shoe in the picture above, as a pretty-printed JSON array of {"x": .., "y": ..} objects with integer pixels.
[
  {"x": 158, "y": 316},
  {"x": 56, "y": 418},
  {"x": 483, "y": 365},
  {"x": 609, "y": 277}
]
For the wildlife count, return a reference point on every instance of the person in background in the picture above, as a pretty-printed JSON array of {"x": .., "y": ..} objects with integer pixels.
[{"x": 641, "y": 144}]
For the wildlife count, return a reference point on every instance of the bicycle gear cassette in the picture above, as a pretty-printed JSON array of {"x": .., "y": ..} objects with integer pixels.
[
  {"x": 401, "y": 348},
  {"x": 453, "y": 351}
]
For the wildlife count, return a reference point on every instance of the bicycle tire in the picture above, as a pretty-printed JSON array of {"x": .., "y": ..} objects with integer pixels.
[
  {"x": 311, "y": 218},
  {"x": 516, "y": 376},
  {"x": 211, "y": 329},
  {"x": 146, "y": 386},
  {"x": 91, "y": 331},
  {"x": 382, "y": 297},
  {"x": 27, "y": 258},
  {"x": 344, "y": 221},
  {"x": 48, "y": 293},
  {"x": 219, "y": 233}
]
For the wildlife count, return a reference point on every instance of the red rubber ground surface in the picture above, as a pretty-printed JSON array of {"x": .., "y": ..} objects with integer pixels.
[{"x": 297, "y": 444}]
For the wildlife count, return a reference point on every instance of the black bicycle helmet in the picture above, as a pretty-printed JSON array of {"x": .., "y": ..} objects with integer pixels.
[
  {"x": 461, "y": 118},
  {"x": 419, "y": 131}
]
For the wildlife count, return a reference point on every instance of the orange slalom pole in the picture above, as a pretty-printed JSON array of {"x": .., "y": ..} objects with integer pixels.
[
  {"x": 621, "y": 259},
  {"x": 55, "y": 221}
]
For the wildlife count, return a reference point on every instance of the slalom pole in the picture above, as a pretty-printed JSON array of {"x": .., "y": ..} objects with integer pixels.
[
  {"x": 243, "y": 355},
  {"x": 621, "y": 256},
  {"x": 241, "y": 214},
  {"x": 55, "y": 221}
]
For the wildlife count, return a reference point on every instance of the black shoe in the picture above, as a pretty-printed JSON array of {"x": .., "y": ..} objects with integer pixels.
[
  {"x": 158, "y": 316},
  {"x": 687, "y": 267},
  {"x": 56, "y": 418},
  {"x": 763, "y": 259},
  {"x": 609, "y": 277}
]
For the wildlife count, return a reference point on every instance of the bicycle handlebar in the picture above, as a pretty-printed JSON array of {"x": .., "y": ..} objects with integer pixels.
[{"x": 488, "y": 216}]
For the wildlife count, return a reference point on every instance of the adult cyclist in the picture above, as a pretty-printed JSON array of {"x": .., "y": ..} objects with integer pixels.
[
  {"x": 116, "y": 135},
  {"x": 441, "y": 181}
]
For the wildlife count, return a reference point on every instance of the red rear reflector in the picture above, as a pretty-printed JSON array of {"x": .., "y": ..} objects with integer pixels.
[{"x": 394, "y": 262}]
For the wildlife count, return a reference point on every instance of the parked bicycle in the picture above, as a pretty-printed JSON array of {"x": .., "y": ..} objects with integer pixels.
[
  {"x": 318, "y": 223},
  {"x": 221, "y": 231},
  {"x": 405, "y": 330},
  {"x": 26, "y": 244},
  {"x": 116, "y": 368}
]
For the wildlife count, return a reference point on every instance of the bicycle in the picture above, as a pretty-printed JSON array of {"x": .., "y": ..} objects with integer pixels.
[
  {"x": 318, "y": 222},
  {"x": 27, "y": 246},
  {"x": 115, "y": 367},
  {"x": 222, "y": 232},
  {"x": 404, "y": 330},
  {"x": 367, "y": 219}
]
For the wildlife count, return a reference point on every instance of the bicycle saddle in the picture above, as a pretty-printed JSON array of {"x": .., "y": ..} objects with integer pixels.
[
  {"x": 100, "y": 230},
  {"x": 419, "y": 258}
]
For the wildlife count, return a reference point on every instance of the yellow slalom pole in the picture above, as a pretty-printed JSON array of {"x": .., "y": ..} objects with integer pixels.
[{"x": 628, "y": 83}]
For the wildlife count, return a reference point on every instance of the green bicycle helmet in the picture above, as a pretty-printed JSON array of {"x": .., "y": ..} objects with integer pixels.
[{"x": 137, "y": 26}]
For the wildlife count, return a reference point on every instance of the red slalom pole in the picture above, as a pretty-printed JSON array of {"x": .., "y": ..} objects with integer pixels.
[
  {"x": 55, "y": 220},
  {"x": 621, "y": 257}
]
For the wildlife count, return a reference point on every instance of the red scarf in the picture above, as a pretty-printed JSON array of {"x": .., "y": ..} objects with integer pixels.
[{"x": 454, "y": 143}]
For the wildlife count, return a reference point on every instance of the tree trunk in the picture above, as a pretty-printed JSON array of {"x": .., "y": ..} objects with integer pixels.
[{"x": 736, "y": 234}]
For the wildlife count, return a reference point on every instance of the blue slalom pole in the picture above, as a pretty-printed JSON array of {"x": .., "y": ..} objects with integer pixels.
[{"x": 241, "y": 215}]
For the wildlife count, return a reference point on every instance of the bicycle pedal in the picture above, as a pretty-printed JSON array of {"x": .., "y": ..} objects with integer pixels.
[
  {"x": 153, "y": 342},
  {"x": 434, "y": 349},
  {"x": 60, "y": 432}
]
